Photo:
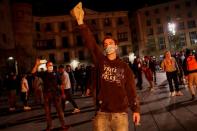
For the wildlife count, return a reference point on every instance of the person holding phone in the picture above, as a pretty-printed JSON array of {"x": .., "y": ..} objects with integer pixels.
[{"x": 51, "y": 93}]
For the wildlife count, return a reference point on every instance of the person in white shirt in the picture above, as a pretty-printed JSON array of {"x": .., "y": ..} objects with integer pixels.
[
  {"x": 24, "y": 91},
  {"x": 66, "y": 86}
]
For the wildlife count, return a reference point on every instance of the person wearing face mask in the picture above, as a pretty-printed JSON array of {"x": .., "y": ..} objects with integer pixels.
[
  {"x": 114, "y": 84},
  {"x": 51, "y": 93}
]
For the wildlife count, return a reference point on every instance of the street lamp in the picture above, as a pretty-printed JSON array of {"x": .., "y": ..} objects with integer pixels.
[
  {"x": 12, "y": 65},
  {"x": 172, "y": 28},
  {"x": 74, "y": 64},
  {"x": 172, "y": 33}
]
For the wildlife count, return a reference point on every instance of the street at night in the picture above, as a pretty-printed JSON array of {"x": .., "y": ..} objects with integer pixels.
[
  {"x": 159, "y": 112},
  {"x": 98, "y": 65}
]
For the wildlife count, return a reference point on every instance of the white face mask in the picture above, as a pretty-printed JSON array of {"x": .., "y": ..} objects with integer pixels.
[
  {"x": 50, "y": 69},
  {"x": 110, "y": 49}
]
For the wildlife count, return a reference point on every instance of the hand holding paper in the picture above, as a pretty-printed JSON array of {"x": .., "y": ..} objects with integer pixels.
[{"x": 78, "y": 13}]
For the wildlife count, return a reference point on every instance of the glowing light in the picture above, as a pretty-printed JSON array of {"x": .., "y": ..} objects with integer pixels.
[
  {"x": 172, "y": 28},
  {"x": 10, "y": 58},
  {"x": 74, "y": 64}
]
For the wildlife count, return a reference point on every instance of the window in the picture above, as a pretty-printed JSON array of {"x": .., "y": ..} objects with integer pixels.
[
  {"x": 161, "y": 41},
  {"x": 108, "y": 34},
  {"x": 158, "y": 21},
  {"x": 65, "y": 43},
  {"x": 146, "y": 13},
  {"x": 79, "y": 41},
  {"x": 66, "y": 57},
  {"x": 81, "y": 55},
  {"x": 124, "y": 50},
  {"x": 188, "y": 4},
  {"x": 193, "y": 37},
  {"x": 150, "y": 31},
  {"x": 120, "y": 21},
  {"x": 37, "y": 26},
  {"x": 134, "y": 31},
  {"x": 38, "y": 36},
  {"x": 159, "y": 30},
  {"x": 20, "y": 14},
  {"x": 93, "y": 22},
  {"x": 178, "y": 16},
  {"x": 4, "y": 38},
  {"x": 62, "y": 26},
  {"x": 148, "y": 23},
  {"x": 191, "y": 24},
  {"x": 107, "y": 22},
  {"x": 182, "y": 40},
  {"x": 189, "y": 14},
  {"x": 156, "y": 11},
  {"x": 50, "y": 44},
  {"x": 2, "y": 15},
  {"x": 168, "y": 18},
  {"x": 52, "y": 57},
  {"x": 46, "y": 44},
  {"x": 151, "y": 46},
  {"x": 48, "y": 27},
  {"x": 166, "y": 8},
  {"x": 181, "y": 26},
  {"x": 177, "y": 6},
  {"x": 123, "y": 36}
]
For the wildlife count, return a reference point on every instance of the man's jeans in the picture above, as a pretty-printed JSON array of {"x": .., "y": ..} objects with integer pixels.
[{"x": 111, "y": 121}]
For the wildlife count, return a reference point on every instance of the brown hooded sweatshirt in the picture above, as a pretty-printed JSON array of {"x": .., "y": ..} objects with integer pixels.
[{"x": 115, "y": 83}]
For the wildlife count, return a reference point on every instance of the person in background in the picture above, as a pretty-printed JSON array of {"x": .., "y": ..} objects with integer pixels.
[
  {"x": 82, "y": 79},
  {"x": 51, "y": 93},
  {"x": 66, "y": 86},
  {"x": 72, "y": 78},
  {"x": 116, "y": 90},
  {"x": 12, "y": 85},
  {"x": 170, "y": 66},
  {"x": 25, "y": 92},
  {"x": 37, "y": 86},
  {"x": 148, "y": 72},
  {"x": 137, "y": 66},
  {"x": 190, "y": 71},
  {"x": 152, "y": 66}
]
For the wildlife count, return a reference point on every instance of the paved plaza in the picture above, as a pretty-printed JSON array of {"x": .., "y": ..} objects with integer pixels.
[{"x": 159, "y": 112}]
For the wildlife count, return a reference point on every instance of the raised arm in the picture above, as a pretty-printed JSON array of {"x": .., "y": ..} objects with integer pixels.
[
  {"x": 88, "y": 37},
  {"x": 34, "y": 70}
]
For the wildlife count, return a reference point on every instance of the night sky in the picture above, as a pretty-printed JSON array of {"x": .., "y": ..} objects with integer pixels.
[{"x": 57, "y": 7}]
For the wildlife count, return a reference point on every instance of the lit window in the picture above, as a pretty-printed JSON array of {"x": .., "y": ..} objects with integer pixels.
[
  {"x": 161, "y": 41},
  {"x": 191, "y": 24},
  {"x": 193, "y": 37}
]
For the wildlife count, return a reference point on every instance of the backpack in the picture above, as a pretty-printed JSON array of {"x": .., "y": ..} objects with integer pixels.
[{"x": 191, "y": 63}]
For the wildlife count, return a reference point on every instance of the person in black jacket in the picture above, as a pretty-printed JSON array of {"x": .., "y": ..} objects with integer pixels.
[{"x": 51, "y": 93}]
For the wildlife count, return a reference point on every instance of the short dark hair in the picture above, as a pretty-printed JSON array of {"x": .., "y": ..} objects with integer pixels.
[
  {"x": 187, "y": 52},
  {"x": 109, "y": 37},
  {"x": 61, "y": 66},
  {"x": 48, "y": 62}
]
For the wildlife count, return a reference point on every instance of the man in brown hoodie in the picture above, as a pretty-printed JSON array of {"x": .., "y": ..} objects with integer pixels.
[{"x": 115, "y": 85}]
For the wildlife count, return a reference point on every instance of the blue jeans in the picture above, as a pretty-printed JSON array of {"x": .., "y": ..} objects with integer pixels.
[{"x": 111, "y": 121}]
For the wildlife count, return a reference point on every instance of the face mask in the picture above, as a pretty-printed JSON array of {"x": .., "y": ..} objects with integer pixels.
[
  {"x": 110, "y": 49},
  {"x": 50, "y": 69}
]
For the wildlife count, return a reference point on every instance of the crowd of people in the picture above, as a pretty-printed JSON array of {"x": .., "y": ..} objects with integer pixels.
[{"x": 111, "y": 81}]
